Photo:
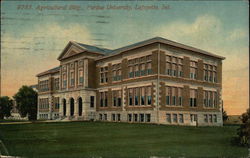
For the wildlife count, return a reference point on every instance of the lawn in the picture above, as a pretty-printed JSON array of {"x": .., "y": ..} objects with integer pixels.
[{"x": 99, "y": 139}]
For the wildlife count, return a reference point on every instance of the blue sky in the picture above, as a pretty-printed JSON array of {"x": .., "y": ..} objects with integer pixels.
[{"x": 32, "y": 39}]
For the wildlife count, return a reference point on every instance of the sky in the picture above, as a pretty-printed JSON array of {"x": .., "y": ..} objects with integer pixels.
[{"x": 34, "y": 33}]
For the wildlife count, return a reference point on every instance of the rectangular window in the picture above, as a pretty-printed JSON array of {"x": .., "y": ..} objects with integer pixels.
[
  {"x": 205, "y": 118},
  {"x": 72, "y": 78},
  {"x": 180, "y": 96},
  {"x": 181, "y": 120},
  {"x": 168, "y": 68},
  {"x": 211, "y": 118},
  {"x": 129, "y": 117},
  {"x": 100, "y": 116},
  {"x": 130, "y": 95},
  {"x": 105, "y": 117},
  {"x": 114, "y": 98},
  {"x": 149, "y": 97},
  {"x": 137, "y": 96},
  {"x": 175, "y": 118},
  {"x": 119, "y": 98},
  {"x": 193, "y": 96},
  {"x": 174, "y": 70},
  {"x": 137, "y": 72},
  {"x": 180, "y": 71},
  {"x": 168, "y": 118},
  {"x": 148, "y": 117},
  {"x": 113, "y": 117},
  {"x": 143, "y": 71},
  {"x": 106, "y": 99},
  {"x": 135, "y": 117},
  {"x": 118, "y": 117},
  {"x": 92, "y": 101},
  {"x": 149, "y": 68},
  {"x": 168, "y": 92},
  {"x": 141, "y": 117},
  {"x": 101, "y": 99},
  {"x": 143, "y": 96},
  {"x": 173, "y": 96},
  {"x": 80, "y": 76},
  {"x": 131, "y": 72}
]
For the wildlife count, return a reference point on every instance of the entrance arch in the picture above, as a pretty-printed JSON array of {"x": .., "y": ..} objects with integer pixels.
[
  {"x": 80, "y": 106},
  {"x": 71, "y": 106},
  {"x": 64, "y": 107}
]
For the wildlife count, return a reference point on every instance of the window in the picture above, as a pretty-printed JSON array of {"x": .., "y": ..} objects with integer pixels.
[
  {"x": 104, "y": 74},
  {"x": 114, "y": 98},
  {"x": 193, "y": 96},
  {"x": 168, "y": 66},
  {"x": 103, "y": 99},
  {"x": 168, "y": 118},
  {"x": 168, "y": 91},
  {"x": 173, "y": 96},
  {"x": 181, "y": 120},
  {"x": 180, "y": 71},
  {"x": 193, "y": 69},
  {"x": 141, "y": 117},
  {"x": 130, "y": 95},
  {"x": 56, "y": 84},
  {"x": 175, "y": 118},
  {"x": 113, "y": 117},
  {"x": 119, "y": 98},
  {"x": 106, "y": 99},
  {"x": 215, "y": 99},
  {"x": 72, "y": 79},
  {"x": 56, "y": 103},
  {"x": 44, "y": 86},
  {"x": 149, "y": 97},
  {"x": 64, "y": 81},
  {"x": 193, "y": 117},
  {"x": 105, "y": 117},
  {"x": 118, "y": 117},
  {"x": 137, "y": 96},
  {"x": 211, "y": 118},
  {"x": 205, "y": 98},
  {"x": 205, "y": 118},
  {"x": 143, "y": 71},
  {"x": 143, "y": 96},
  {"x": 174, "y": 70},
  {"x": 100, "y": 116},
  {"x": 149, "y": 68},
  {"x": 129, "y": 117},
  {"x": 131, "y": 72},
  {"x": 148, "y": 117},
  {"x": 210, "y": 73},
  {"x": 137, "y": 72},
  {"x": 81, "y": 76},
  {"x": 135, "y": 117},
  {"x": 92, "y": 101},
  {"x": 180, "y": 96}
]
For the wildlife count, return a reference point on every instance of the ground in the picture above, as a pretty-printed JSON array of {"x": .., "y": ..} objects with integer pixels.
[{"x": 99, "y": 139}]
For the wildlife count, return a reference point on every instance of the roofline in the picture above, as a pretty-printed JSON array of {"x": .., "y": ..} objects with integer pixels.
[
  {"x": 163, "y": 41},
  {"x": 76, "y": 44},
  {"x": 48, "y": 72}
]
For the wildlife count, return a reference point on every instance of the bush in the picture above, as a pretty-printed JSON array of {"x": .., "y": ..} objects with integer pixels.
[{"x": 244, "y": 130}]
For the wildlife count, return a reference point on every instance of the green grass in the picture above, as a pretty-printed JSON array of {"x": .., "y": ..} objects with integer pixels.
[{"x": 98, "y": 139}]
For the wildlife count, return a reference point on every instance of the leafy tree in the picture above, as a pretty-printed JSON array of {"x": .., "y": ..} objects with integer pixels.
[
  {"x": 26, "y": 99},
  {"x": 5, "y": 106},
  {"x": 224, "y": 115},
  {"x": 244, "y": 130}
]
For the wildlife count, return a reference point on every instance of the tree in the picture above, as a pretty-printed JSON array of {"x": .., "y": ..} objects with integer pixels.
[
  {"x": 244, "y": 130},
  {"x": 26, "y": 99},
  {"x": 224, "y": 115},
  {"x": 5, "y": 106}
]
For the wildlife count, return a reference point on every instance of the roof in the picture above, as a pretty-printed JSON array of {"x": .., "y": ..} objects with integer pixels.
[
  {"x": 160, "y": 40},
  {"x": 50, "y": 71},
  {"x": 94, "y": 48}
]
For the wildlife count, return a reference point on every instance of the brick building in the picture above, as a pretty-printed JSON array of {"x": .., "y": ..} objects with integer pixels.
[{"x": 155, "y": 81}]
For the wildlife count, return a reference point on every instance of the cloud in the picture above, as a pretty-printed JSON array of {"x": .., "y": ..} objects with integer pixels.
[
  {"x": 29, "y": 53},
  {"x": 238, "y": 34}
]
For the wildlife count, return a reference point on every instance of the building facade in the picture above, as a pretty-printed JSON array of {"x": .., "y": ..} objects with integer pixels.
[{"x": 153, "y": 81}]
